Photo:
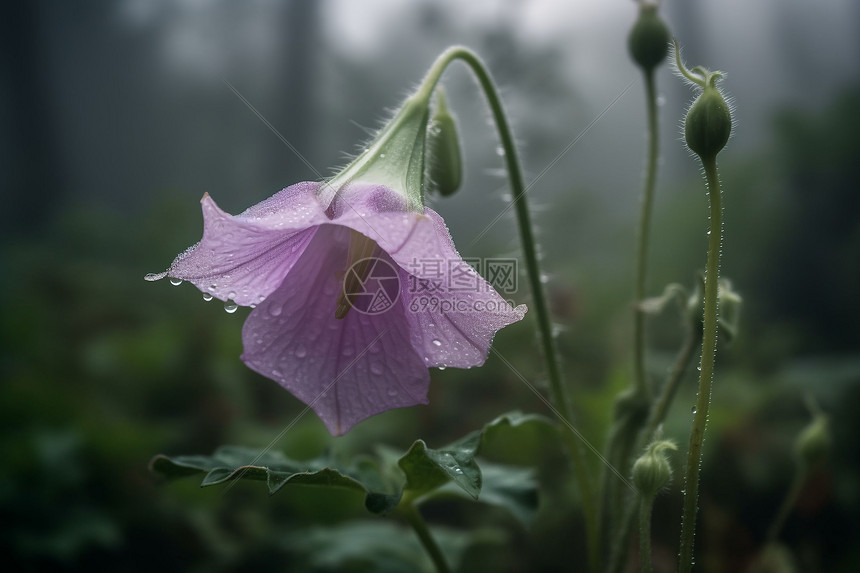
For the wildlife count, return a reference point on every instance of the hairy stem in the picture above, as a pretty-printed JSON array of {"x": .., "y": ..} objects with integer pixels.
[
  {"x": 558, "y": 391},
  {"x": 709, "y": 351}
]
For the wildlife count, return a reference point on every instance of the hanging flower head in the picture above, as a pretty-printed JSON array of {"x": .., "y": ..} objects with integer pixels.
[{"x": 357, "y": 287}]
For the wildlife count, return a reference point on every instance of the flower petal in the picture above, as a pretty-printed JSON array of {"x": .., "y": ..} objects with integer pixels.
[
  {"x": 245, "y": 257},
  {"x": 455, "y": 313},
  {"x": 346, "y": 370},
  {"x": 448, "y": 327}
]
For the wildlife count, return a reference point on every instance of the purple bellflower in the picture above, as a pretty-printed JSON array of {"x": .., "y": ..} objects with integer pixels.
[{"x": 356, "y": 287}]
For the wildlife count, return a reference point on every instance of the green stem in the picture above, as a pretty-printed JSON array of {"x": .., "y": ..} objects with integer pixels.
[
  {"x": 620, "y": 440},
  {"x": 644, "y": 233},
  {"x": 658, "y": 414},
  {"x": 413, "y": 517},
  {"x": 645, "y": 505},
  {"x": 558, "y": 392},
  {"x": 709, "y": 351},
  {"x": 787, "y": 504}
]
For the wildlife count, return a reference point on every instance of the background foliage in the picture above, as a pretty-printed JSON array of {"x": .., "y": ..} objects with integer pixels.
[{"x": 116, "y": 121}]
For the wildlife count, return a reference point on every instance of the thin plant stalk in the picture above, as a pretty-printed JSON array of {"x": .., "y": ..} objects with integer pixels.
[
  {"x": 658, "y": 414},
  {"x": 558, "y": 391},
  {"x": 709, "y": 351},
  {"x": 620, "y": 442},
  {"x": 645, "y": 506},
  {"x": 413, "y": 517}
]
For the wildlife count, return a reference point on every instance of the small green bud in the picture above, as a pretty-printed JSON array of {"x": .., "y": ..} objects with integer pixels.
[
  {"x": 708, "y": 124},
  {"x": 648, "y": 38},
  {"x": 652, "y": 470},
  {"x": 445, "y": 167},
  {"x": 813, "y": 443}
]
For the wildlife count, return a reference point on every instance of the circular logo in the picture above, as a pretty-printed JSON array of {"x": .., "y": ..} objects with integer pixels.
[{"x": 371, "y": 286}]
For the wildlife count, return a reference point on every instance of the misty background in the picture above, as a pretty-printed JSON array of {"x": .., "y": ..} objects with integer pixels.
[{"x": 118, "y": 116}]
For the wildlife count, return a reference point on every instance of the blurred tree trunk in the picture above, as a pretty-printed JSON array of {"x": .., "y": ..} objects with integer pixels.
[{"x": 28, "y": 154}]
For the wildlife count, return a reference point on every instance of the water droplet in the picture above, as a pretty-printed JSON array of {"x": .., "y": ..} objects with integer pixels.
[
  {"x": 213, "y": 287},
  {"x": 275, "y": 310},
  {"x": 442, "y": 367},
  {"x": 153, "y": 276},
  {"x": 207, "y": 297},
  {"x": 437, "y": 342},
  {"x": 231, "y": 294},
  {"x": 301, "y": 351},
  {"x": 708, "y": 233},
  {"x": 230, "y": 306},
  {"x": 376, "y": 368},
  {"x": 661, "y": 100},
  {"x": 392, "y": 392},
  {"x": 382, "y": 156},
  {"x": 500, "y": 151},
  {"x": 175, "y": 281},
  {"x": 693, "y": 410},
  {"x": 276, "y": 373},
  {"x": 699, "y": 367}
]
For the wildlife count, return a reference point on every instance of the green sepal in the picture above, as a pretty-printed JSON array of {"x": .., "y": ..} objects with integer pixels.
[{"x": 395, "y": 157}]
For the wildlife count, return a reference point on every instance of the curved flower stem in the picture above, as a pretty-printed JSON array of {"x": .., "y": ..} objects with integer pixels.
[
  {"x": 645, "y": 505},
  {"x": 658, "y": 414},
  {"x": 413, "y": 517},
  {"x": 709, "y": 351},
  {"x": 558, "y": 392}
]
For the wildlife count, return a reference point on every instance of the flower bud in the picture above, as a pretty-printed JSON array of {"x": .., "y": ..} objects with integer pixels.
[
  {"x": 652, "y": 471},
  {"x": 709, "y": 121},
  {"x": 445, "y": 166},
  {"x": 649, "y": 38},
  {"x": 813, "y": 443},
  {"x": 708, "y": 124}
]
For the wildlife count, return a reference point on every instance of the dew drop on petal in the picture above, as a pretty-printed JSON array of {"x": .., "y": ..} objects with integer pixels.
[
  {"x": 437, "y": 342},
  {"x": 392, "y": 392},
  {"x": 213, "y": 287},
  {"x": 207, "y": 297},
  {"x": 175, "y": 281},
  {"x": 275, "y": 310},
  {"x": 376, "y": 368},
  {"x": 153, "y": 276},
  {"x": 442, "y": 367},
  {"x": 693, "y": 410},
  {"x": 230, "y": 306},
  {"x": 301, "y": 351}
]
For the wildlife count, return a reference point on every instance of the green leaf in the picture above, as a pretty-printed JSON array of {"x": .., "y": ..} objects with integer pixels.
[
  {"x": 235, "y": 462},
  {"x": 384, "y": 479}
]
